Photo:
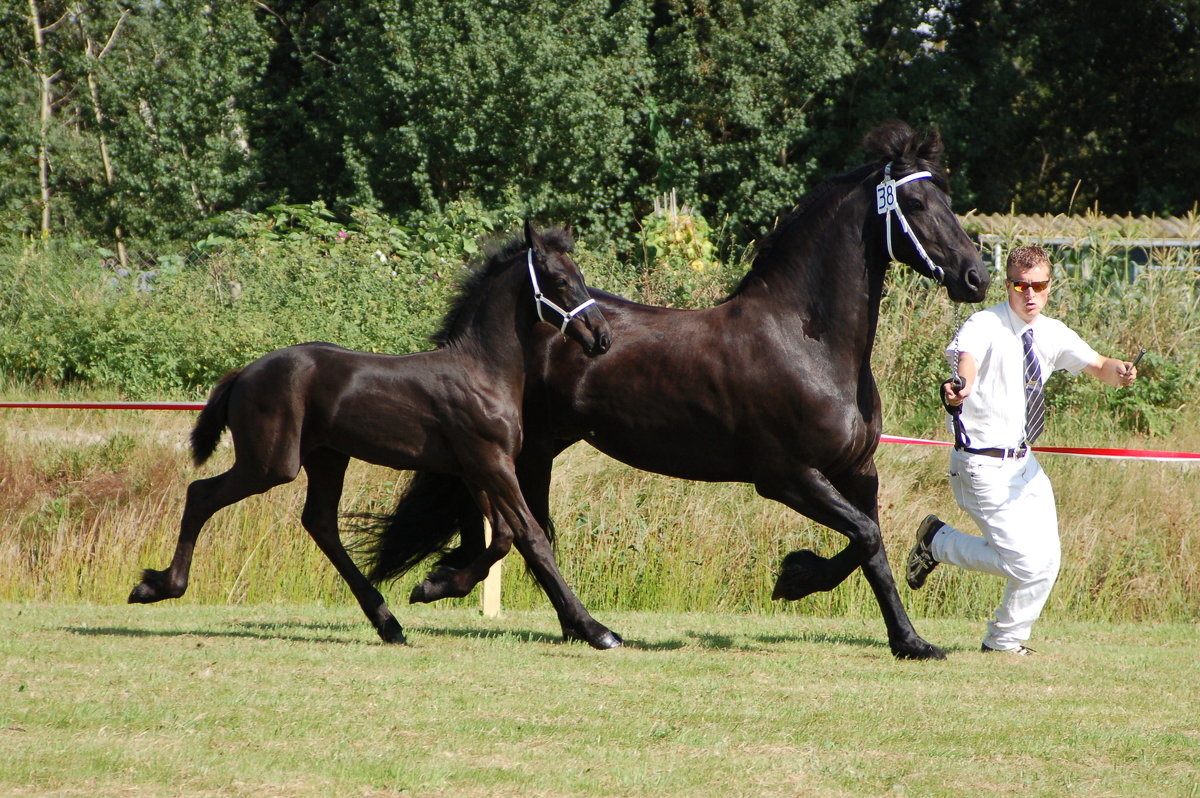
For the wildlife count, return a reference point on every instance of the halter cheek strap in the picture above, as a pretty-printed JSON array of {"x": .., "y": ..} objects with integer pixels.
[
  {"x": 540, "y": 300},
  {"x": 886, "y": 203}
]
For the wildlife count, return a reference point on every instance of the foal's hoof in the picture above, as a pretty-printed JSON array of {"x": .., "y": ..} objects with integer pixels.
[
  {"x": 602, "y": 638},
  {"x": 800, "y": 576},
  {"x": 917, "y": 649}
]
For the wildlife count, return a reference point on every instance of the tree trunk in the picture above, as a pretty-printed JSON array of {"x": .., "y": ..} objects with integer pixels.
[
  {"x": 109, "y": 176},
  {"x": 46, "y": 83}
]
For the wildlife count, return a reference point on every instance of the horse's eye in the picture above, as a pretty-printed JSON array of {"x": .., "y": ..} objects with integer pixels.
[{"x": 916, "y": 205}]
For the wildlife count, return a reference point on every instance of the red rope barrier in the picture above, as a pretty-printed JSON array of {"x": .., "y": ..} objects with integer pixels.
[
  {"x": 108, "y": 405},
  {"x": 1076, "y": 451},
  {"x": 1112, "y": 454}
]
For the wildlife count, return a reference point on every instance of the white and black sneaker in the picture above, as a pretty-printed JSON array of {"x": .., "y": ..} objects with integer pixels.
[{"x": 920, "y": 558}]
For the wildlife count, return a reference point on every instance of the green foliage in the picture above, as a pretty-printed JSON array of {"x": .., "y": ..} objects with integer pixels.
[
  {"x": 262, "y": 281},
  {"x": 681, "y": 265},
  {"x": 584, "y": 110},
  {"x": 410, "y": 105}
]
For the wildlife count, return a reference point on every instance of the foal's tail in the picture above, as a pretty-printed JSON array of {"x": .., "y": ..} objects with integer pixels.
[
  {"x": 213, "y": 419},
  {"x": 432, "y": 510}
]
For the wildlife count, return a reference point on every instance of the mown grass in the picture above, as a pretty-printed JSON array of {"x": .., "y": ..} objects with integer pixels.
[{"x": 302, "y": 700}]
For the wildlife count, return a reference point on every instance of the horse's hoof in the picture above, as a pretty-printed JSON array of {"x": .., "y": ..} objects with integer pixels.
[
  {"x": 799, "y": 576},
  {"x": 918, "y": 649},
  {"x": 608, "y": 640},
  {"x": 142, "y": 594},
  {"x": 420, "y": 593},
  {"x": 602, "y": 641},
  {"x": 392, "y": 632}
]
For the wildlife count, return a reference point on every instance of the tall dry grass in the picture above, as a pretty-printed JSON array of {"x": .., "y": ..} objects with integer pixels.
[{"x": 89, "y": 498}]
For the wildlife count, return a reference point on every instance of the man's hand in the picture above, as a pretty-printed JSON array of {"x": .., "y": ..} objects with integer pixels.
[{"x": 954, "y": 396}]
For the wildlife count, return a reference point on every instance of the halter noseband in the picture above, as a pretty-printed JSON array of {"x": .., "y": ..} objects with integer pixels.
[
  {"x": 886, "y": 202},
  {"x": 539, "y": 299}
]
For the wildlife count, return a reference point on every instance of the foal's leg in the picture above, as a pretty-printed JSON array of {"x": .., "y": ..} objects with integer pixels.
[
  {"x": 326, "y": 473},
  {"x": 812, "y": 495},
  {"x": 456, "y": 582},
  {"x": 204, "y": 498},
  {"x": 577, "y": 623}
]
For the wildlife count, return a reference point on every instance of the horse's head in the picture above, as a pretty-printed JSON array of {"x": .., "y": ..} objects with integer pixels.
[
  {"x": 560, "y": 293},
  {"x": 918, "y": 227}
]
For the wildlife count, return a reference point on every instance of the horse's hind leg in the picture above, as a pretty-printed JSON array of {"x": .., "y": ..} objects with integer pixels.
[
  {"x": 326, "y": 474},
  {"x": 204, "y": 498},
  {"x": 812, "y": 495}
]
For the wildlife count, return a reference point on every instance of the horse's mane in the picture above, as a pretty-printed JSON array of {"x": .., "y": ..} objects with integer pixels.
[
  {"x": 908, "y": 150},
  {"x": 497, "y": 255}
]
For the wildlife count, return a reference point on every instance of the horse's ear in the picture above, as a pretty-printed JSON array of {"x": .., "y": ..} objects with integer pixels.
[{"x": 532, "y": 239}]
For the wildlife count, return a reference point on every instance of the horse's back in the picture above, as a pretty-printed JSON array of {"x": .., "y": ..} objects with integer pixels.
[
  {"x": 706, "y": 394},
  {"x": 392, "y": 410}
]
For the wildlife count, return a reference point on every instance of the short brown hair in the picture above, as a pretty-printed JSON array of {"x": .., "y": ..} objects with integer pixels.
[{"x": 1024, "y": 258}]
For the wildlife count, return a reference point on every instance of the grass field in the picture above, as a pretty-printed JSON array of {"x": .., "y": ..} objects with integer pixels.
[{"x": 292, "y": 700}]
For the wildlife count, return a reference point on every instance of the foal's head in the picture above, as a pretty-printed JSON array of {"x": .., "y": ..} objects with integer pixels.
[{"x": 541, "y": 276}]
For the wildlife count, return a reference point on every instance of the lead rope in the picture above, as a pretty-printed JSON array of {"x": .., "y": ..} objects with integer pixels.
[{"x": 961, "y": 439}]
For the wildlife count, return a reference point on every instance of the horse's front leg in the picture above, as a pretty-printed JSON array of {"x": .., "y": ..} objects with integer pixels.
[
  {"x": 811, "y": 494},
  {"x": 805, "y": 572},
  {"x": 577, "y": 623},
  {"x": 474, "y": 559},
  {"x": 498, "y": 498}
]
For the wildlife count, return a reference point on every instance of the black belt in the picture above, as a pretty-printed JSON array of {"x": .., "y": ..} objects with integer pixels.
[{"x": 1002, "y": 453}]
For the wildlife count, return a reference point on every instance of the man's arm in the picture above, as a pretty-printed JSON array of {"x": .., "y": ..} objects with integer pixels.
[{"x": 1110, "y": 371}]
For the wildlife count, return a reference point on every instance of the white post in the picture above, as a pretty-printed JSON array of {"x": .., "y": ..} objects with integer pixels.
[{"x": 491, "y": 582}]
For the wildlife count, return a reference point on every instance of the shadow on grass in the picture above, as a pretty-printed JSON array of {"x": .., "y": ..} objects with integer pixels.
[
  {"x": 347, "y": 633},
  {"x": 324, "y": 633}
]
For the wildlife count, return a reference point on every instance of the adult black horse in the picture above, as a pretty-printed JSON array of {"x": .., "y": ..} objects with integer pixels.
[
  {"x": 772, "y": 387},
  {"x": 454, "y": 410}
]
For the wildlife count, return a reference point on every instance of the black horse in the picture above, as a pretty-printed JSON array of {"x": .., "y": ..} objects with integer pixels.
[
  {"x": 772, "y": 387},
  {"x": 453, "y": 410}
]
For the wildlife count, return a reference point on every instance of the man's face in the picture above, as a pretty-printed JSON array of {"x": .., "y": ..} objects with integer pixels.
[{"x": 1024, "y": 298}]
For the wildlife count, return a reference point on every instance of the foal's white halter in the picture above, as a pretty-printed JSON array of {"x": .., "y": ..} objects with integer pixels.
[
  {"x": 886, "y": 203},
  {"x": 539, "y": 299}
]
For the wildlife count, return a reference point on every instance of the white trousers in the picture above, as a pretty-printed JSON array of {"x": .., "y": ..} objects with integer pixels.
[{"x": 1012, "y": 502}]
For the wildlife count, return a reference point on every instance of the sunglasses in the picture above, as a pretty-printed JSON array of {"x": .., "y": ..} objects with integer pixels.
[{"x": 1023, "y": 285}]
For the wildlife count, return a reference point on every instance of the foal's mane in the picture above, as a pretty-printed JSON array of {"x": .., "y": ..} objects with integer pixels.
[
  {"x": 908, "y": 150},
  {"x": 497, "y": 257}
]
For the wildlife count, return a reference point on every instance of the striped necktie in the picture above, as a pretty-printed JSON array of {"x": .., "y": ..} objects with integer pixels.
[{"x": 1035, "y": 398}]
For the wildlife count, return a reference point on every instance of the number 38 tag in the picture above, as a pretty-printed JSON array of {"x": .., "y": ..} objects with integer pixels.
[{"x": 885, "y": 197}]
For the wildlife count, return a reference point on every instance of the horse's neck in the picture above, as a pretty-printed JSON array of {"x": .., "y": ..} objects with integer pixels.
[
  {"x": 823, "y": 277},
  {"x": 499, "y": 325}
]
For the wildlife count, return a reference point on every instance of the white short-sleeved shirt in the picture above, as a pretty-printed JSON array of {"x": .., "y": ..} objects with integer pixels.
[{"x": 994, "y": 414}]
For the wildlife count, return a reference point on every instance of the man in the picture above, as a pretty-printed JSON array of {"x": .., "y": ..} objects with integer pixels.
[{"x": 1005, "y": 354}]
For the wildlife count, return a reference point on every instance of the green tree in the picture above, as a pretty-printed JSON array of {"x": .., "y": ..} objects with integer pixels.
[
  {"x": 737, "y": 84},
  {"x": 1044, "y": 108},
  {"x": 151, "y": 137},
  {"x": 413, "y": 103}
]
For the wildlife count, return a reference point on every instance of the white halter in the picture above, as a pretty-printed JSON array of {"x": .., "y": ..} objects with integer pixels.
[
  {"x": 539, "y": 299},
  {"x": 886, "y": 203}
]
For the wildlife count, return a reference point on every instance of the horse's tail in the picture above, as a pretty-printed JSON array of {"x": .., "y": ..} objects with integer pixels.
[
  {"x": 214, "y": 417},
  {"x": 431, "y": 511}
]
